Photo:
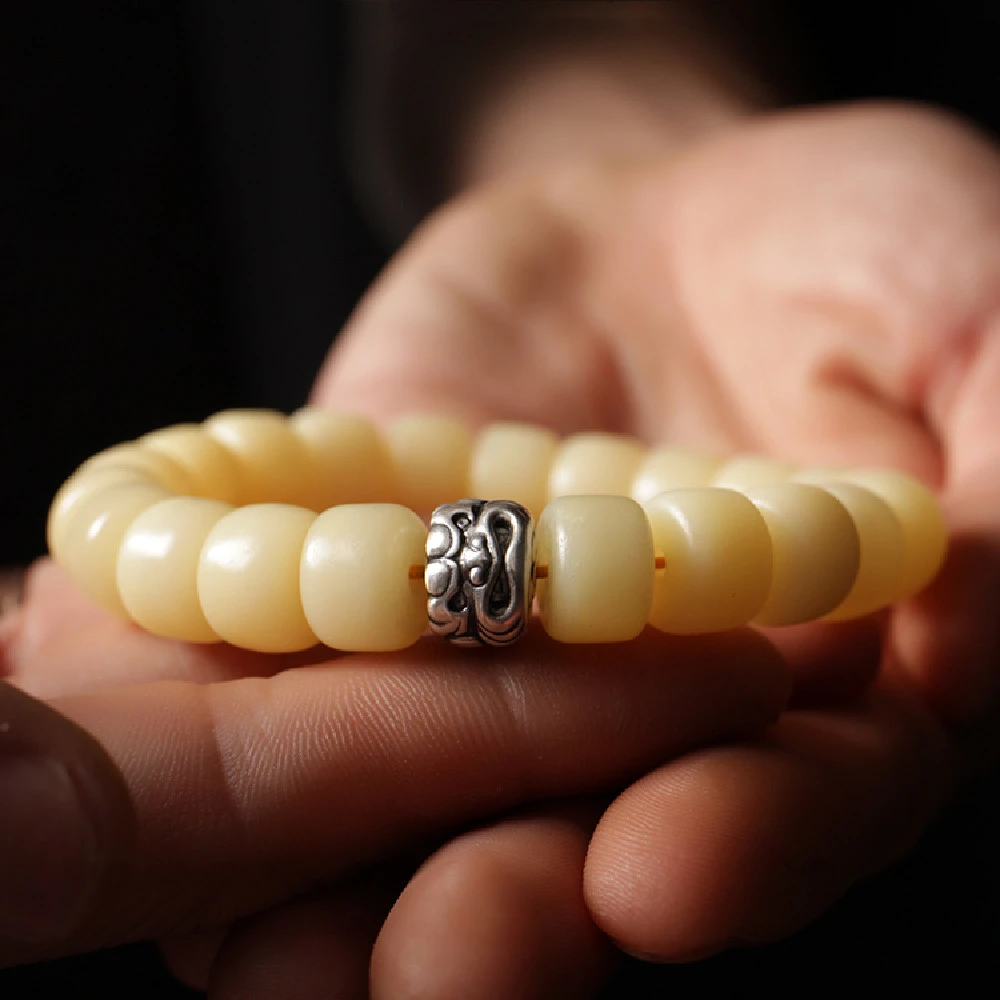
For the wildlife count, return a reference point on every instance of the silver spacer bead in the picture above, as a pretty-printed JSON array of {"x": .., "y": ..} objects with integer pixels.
[{"x": 480, "y": 574}]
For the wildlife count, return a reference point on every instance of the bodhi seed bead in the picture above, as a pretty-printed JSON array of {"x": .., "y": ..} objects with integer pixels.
[
  {"x": 718, "y": 560},
  {"x": 881, "y": 540},
  {"x": 666, "y": 469},
  {"x": 431, "y": 457},
  {"x": 158, "y": 567},
  {"x": 600, "y": 558},
  {"x": 595, "y": 463},
  {"x": 349, "y": 459},
  {"x": 273, "y": 465},
  {"x": 93, "y": 535},
  {"x": 815, "y": 551},
  {"x": 212, "y": 470},
  {"x": 357, "y": 593},
  {"x": 513, "y": 461},
  {"x": 248, "y": 578},
  {"x": 925, "y": 534}
]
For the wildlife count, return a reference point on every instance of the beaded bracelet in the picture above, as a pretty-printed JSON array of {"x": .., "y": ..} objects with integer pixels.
[{"x": 211, "y": 532}]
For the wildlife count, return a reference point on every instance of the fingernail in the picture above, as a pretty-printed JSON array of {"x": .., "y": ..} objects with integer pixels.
[{"x": 48, "y": 856}]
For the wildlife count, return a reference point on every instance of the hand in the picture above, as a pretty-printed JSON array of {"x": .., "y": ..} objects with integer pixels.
[
  {"x": 188, "y": 787},
  {"x": 859, "y": 250},
  {"x": 820, "y": 286}
]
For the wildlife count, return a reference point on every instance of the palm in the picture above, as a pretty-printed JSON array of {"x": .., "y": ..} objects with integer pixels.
[{"x": 819, "y": 288}]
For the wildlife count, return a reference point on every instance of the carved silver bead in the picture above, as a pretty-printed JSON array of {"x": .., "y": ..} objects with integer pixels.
[{"x": 480, "y": 574}]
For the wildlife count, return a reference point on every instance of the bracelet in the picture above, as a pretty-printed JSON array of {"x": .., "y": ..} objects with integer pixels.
[{"x": 276, "y": 533}]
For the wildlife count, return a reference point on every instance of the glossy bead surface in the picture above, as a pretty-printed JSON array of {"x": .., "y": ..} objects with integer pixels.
[
  {"x": 744, "y": 471},
  {"x": 718, "y": 558},
  {"x": 600, "y": 562},
  {"x": 81, "y": 485},
  {"x": 349, "y": 459},
  {"x": 357, "y": 593},
  {"x": 666, "y": 469},
  {"x": 273, "y": 465},
  {"x": 815, "y": 552},
  {"x": 595, "y": 463},
  {"x": 881, "y": 540},
  {"x": 925, "y": 533},
  {"x": 212, "y": 470},
  {"x": 158, "y": 567},
  {"x": 248, "y": 578},
  {"x": 157, "y": 468},
  {"x": 512, "y": 462},
  {"x": 430, "y": 455},
  {"x": 93, "y": 536}
]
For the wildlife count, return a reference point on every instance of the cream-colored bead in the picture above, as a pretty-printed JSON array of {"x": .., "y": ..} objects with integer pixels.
[
  {"x": 273, "y": 464},
  {"x": 512, "y": 462},
  {"x": 93, "y": 535},
  {"x": 671, "y": 469},
  {"x": 925, "y": 534},
  {"x": 77, "y": 488},
  {"x": 815, "y": 551},
  {"x": 158, "y": 468},
  {"x": 211, "y": 468},
  {"x": 601, "y": 563},
  {"x": 430, "y": 454},
  {"x": 717, "y": 551},
  {"x": 248, "y": 578},
  {"x": 349, "y": 459},
  {"x": 354, "y": 577},
  {"x": 158, "y": 567},
  {"x": 595, "y": 463},
  {"x": 881, "y": 538},
  {"x": 744, "y": 471}
]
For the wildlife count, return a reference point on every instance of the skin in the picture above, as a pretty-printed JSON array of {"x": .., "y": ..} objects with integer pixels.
[{"x": 818, "y": 286}]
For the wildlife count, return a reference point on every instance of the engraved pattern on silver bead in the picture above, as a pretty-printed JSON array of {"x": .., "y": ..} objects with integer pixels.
[{"x": 480, "y": 574}]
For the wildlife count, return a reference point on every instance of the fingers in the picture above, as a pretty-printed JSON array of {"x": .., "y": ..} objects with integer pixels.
[
  {"x": 947, "y": 642},
  {"x": 59, "y": 643},
  {"x": 247, "y": 793},
  {"x": 312, "y": 949},
  {"x": 497, "y": 914},
  {"x": 830, "y": 663},
  {"x": 749, "y": 843},
  {"x": 65, "y": 820}
]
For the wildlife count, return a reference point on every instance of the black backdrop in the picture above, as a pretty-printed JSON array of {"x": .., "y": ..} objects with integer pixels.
[{"x": 180, "y": 237}]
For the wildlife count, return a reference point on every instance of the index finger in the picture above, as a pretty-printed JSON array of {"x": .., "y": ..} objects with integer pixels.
[{"x": 249, "y": 792}]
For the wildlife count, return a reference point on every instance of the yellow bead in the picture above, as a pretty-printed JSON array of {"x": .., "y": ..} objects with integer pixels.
[
  {"x": 354, "y": 577},
  {"x": 93, "y": 535},
  {"x": 349, "y": 459},
  {"x": 158, "y": 567},
  {"x": 595, "y": 463},
  {"x": 925, "y": 534},
  {"x": 881, "y": 538},
  {"x": 211, "y": 468},
  {"x": 744, "y": 471},
  {"x": 157, "y": 468},
  {"x": 815, "y": 550},
  {"x": 718, "y": 560},
  {"x": 512, "y": 462},
  {"x": 671, "y": 469},
  {"x": 248, "y": 578},
  {"x": 78, "y": 487},
  {"x": 431, "y": 456},
  {"x": 600, "y": 559},
  {"x": 272, "y": 462}
]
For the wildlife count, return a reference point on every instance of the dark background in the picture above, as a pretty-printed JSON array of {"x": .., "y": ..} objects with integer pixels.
[{"x": 180, "y": 237}]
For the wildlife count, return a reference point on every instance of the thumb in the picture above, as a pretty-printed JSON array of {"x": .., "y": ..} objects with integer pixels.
[{"x": 65, "y": 820}]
